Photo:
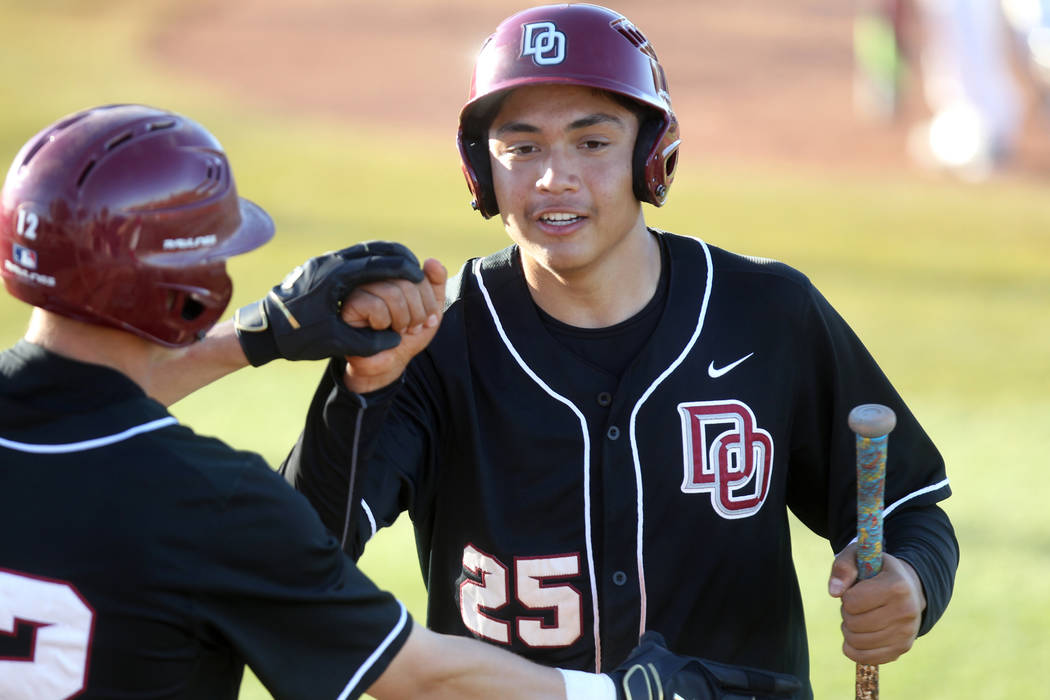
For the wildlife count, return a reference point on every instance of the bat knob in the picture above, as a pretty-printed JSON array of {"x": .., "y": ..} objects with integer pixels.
[{"x": 872, "y": 420}]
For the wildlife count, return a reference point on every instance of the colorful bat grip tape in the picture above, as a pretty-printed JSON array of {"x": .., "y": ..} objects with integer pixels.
[{"x": 871, "y": 482}]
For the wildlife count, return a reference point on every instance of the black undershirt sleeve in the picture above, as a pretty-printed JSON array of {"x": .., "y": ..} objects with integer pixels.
[{"x": 923, "y": 536}]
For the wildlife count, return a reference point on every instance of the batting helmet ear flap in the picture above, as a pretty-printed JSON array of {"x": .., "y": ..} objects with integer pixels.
[
  {"x": 474, "y": 153},
  {"x": 655, "y": 158}
]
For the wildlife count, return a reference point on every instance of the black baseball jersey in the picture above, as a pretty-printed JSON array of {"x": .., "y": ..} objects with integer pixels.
[
  {"x": 561, "y": 510},
  {"x": 140, "y": 560}
]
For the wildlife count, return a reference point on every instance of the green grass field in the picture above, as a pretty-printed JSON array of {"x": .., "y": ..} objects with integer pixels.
[{"x": 947, "y": 284}]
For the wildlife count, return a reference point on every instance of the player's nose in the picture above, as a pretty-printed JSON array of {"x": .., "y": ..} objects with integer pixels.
[{"x": 558, "y": 173}]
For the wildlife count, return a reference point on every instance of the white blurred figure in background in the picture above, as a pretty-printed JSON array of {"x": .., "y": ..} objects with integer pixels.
[
  {"x": 970, "y": 88},
  {"x": 1029, "y": 22}
]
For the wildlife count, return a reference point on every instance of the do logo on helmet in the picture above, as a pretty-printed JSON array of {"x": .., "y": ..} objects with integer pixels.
[{"x": 543, "y": 42}]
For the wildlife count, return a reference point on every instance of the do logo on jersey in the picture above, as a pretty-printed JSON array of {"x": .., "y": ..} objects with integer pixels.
[
  {"x": 543, "y": 42},
  {"x": 726, "y": 455}
]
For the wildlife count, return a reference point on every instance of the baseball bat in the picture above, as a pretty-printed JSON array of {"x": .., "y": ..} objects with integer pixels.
[{"x": 872, "y": 424}]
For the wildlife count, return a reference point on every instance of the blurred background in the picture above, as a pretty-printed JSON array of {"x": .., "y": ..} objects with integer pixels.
[{"x": 813, "y": 132}]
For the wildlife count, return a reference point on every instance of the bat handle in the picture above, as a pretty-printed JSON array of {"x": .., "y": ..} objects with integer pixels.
[
  {"x": 871, "y": 484},
  {"x": 872, "y": 424}
]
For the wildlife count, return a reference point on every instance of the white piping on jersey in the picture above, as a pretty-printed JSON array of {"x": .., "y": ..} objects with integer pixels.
[
  {"x": 84, "y": 445},
  {"x": 370, "y": 661},
  {"x": 371, "y": 518},
  {"x": 893, "y": 506},
  {"x": 634, "y": 441},
  {"x": 926, "y": 489},
  {"x": 586, "y": 458}
]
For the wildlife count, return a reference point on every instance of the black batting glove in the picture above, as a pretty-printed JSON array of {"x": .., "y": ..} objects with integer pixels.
[
  {"x": 652, "y": 672},
  {"x": 299, "y": 319}
]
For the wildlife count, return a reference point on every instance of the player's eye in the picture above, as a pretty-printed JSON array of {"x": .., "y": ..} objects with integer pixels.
[
  {"x": 522, "y": 149},
  {"x": 593, "y": 144}
]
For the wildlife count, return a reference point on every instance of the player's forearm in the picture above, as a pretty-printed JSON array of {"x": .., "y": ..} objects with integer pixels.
[
  {"x": 433, "y": 666},
  {"x": 217, "y": 355},
  {"x": 925, "y": 539}
]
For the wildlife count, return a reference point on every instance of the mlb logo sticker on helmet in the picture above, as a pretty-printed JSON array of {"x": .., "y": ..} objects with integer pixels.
[
  {"x": 24, "y": 256},
  {"x": 540, "y": 39}
]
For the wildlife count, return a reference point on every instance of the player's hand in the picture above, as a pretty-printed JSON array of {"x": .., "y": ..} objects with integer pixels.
[
  {"x": 410, "y": 310},
  {"x": 652, "y": 671},
  {"x": 880, "y": 615},
  {"x": 299, "y": 319}
]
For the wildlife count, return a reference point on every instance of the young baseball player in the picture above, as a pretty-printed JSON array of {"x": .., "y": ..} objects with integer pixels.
[
  {"x": 605, "y": 434},
  {"x": 141, "y": 560}
]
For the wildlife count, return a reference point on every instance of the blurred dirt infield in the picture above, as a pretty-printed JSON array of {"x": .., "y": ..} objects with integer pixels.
[{"x": 755, "y": 81}]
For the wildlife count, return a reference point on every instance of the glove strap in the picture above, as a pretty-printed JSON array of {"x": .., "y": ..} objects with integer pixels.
[
  {"x": 254, "y": 334},
  {"x": 642, "y": 682}
]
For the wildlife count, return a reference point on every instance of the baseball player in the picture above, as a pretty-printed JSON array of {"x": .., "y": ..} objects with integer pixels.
[
  {"x": 971, "y": 88},
  {"x": 141, "y": 560},
  {"x": 605, "y": 433}
]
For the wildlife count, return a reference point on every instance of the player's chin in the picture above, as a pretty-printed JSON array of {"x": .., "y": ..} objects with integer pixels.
[
  {"x": 542, "y": 244},
  {"x": 564, "y": 263}
]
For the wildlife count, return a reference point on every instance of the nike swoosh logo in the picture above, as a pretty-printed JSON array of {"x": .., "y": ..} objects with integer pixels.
[{"x": 716, "y": 372}]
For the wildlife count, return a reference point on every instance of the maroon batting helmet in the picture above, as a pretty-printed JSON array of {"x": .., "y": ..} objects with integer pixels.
[
  {"x": 571, "y": 45},
  {"x": 124, "y": 215}
]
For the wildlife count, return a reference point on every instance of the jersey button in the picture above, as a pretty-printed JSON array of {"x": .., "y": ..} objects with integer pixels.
[
  {"x": 604, "y": 399},
  {"x": 612, "y": 433},
  {"x": 619, "y": 578}
]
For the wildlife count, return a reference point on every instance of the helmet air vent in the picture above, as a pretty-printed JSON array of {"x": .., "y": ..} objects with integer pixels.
[
  {"x": 84, "y": 173},
  {"x": 117, "y": 140},
  {"x": 213, "y": 175},
  {"x": 50, "y": 134},
  {"x": 633, "y": 35}
]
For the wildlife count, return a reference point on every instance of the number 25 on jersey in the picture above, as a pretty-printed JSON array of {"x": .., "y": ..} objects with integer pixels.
[{"x": 536, "y": 586}]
